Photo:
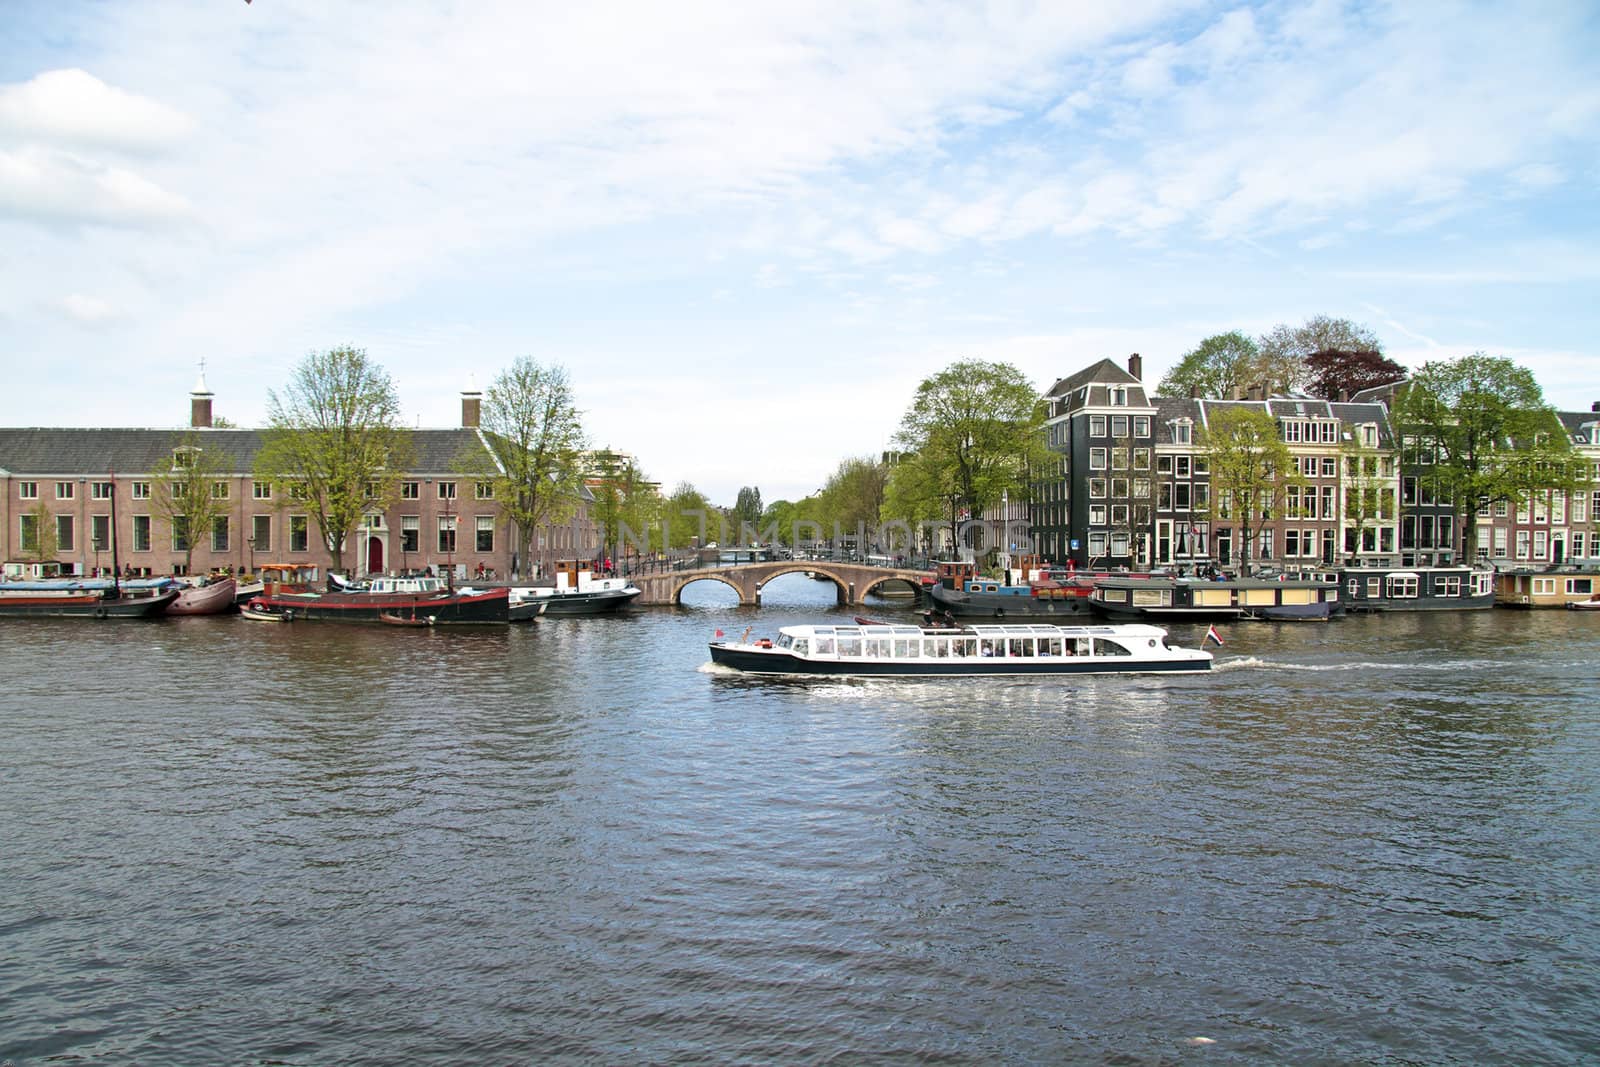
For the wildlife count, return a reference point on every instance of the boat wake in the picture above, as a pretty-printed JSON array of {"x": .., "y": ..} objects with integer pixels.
[
  {"x": 1241, "y": 664},
  {"x": 709, "y": 667},
  {"x": 1253, "y": 662}
]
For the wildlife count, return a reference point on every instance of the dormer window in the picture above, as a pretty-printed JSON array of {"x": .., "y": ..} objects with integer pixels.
[
  {"x": 183, "y": 458},
  {"x": 1182, "y": 432},
  {"x": 1117, "y": 396}
]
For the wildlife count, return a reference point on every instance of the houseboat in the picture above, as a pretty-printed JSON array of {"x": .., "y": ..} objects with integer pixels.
[
  {"x": 1416, "y": 588},
  {"x": 1032, "y": 590},
  {"x": 577, "y": 591},
  {"x": 422, "y": 598},
  {"x": 914, "y": 651},
  {"x": 1202, "y": 600},
  {"x": 1556, "y": 588}
]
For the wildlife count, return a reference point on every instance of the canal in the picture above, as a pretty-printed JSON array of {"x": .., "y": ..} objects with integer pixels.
[{"x": 1371, "y": 840}]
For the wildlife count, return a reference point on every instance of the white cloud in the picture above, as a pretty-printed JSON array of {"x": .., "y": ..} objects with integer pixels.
[
  {"x": 73, "y": 107},
  {"x": 54, "y": 186},
  {"x": 87, "y": 310}
]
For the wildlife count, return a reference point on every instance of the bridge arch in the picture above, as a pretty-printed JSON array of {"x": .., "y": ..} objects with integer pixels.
[{"x": 679, "y": 587}]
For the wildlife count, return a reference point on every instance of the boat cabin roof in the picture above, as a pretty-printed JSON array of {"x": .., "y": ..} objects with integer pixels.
[{"x": 1012, "y": 630}]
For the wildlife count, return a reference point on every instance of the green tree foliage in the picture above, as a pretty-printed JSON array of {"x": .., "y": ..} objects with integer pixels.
[
  {"x": 334, "y": 441},
  {"x": 1335, "y": 371},
  {"x": 1215, "y": 368},
  {"x": 1482, "y": 428},
  {"x": 626, "y": 503},
  {"x": 1251, "y": 469},
  {"x": 920, "y": 493},
  {"x": 853, "y": 495},
  {"x": 38, "y": 534},
  {"x": 747, "y": 510},
  {"x": 1285, "y": 352},
  {"x": 688, "y": 519},
  {"x": 979, "y": 429},
  {"x": 532, "y": 448},
  {"x": 185, "y": 492}
]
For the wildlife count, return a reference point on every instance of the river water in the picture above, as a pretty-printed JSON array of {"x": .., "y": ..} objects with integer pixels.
[{"x": 1375, "y": 840}]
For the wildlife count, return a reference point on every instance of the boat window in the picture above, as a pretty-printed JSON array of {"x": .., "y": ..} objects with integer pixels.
[
  {"x": 1021, "y": 647},
  {"x": 1078, "y": 646},
  {"x": 1403, "y": 586},
  {"x": 784, "y": 640},
  {"x": 849, "y": 646},
  {"x": 1448, "y": 585},
  {"x": 986, "y": 647},
  {"x": 802, "y": 647},
  {"x": 824, "y": 646},
  {"x": 1050, "y": 646},
  {"x": 1114, "y": 596},
  {"x": 1104, "y": 647},
  {"x": 1374, "y": 587},
  {"x": 932, "y": 646},
  {"x": 964, "y": 646},
  {"x": 878, "y": 646},
  {"x": 1580, "y": 586}
]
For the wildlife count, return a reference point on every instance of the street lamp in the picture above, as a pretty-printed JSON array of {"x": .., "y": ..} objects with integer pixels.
[{"x": 251, "y": 541}]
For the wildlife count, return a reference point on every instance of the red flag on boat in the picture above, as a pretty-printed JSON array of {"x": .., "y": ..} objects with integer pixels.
[
  {"x": 1211, "y": 635},
  {"x": 717, "y": 634}
]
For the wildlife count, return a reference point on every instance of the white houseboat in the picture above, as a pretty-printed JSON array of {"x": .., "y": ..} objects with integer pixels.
[{"x": 914, "y": 651}]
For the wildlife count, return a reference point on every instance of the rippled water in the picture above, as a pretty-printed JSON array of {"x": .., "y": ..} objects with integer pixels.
[{"x": 1375, "y": 840}]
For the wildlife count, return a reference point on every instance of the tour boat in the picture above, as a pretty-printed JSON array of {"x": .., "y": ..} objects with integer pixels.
[
  {"x": 406, "y": 597},
  {"x": 915, "y": 651},
  {"x": 577, "y": 591}
]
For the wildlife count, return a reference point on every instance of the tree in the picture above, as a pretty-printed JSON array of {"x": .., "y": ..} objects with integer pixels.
[
  {"x": 747, "y": 509},
  {"x": 1215, "y": 368},
  {"x": 687, "y": 518},
  {"x": 1285, "y": 351},
  {"x": 334, "y": 440},
  {"x": 185, "y": 492},
  {"x": 920, "y": 492},
  {"x": 980, "y": 428},
  {"x": 532, "y": 448},
  {"x": 853, "y": 495},
  {"x": 38, "y": 533},
  {"x": 1251, "y": 468},
  {"x": 1369, "y": 495},
  {"x": 1336, "y": 371},
  {"x": 1482, "y": 426}
]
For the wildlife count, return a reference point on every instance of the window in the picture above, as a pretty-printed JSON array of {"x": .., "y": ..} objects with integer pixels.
[
  {"x": 100, "y": 532},
  {"x": 141, "y": 533},
  {"x": 1330, "y": 467},
  {"x": 1097, "y": 515},
  {"x": 64, "y": 490},
  {"x": 180, "y": 533},
  {"x": 1117, "y": 396},
  {"x": 1119, "y": 426},
  {"x": 447, "y": 533},
  {"x": 28, "y": 533},
  {"x": 1541, "y": 544},
  {"x": 219, "y": 534},
  {"x": 410, "y": 491},
  {"x": 447, "y": 491},
  {"x": 100, "y": 490},
  {"x": 66, "y": 540},
  {"x": 1202, "y": 496},
  {"x": 1182, "y": 431},
  {"x": 1097, "y": 488},
  {"x": 1182, "y": 468},
  {"x": 1119, "y": 515},
  {"x": 1097, "y": 459},
  {"x": 1402, "y": 586},
  {"x": 485, "y": 542},
  {"x": 261, "y": 490},
  {"x": 1141, "y": 426},
  {"x": 1119, "y": 459},
  {"x": 299, "y": 534},
  {"x": 1141, "y": 459},
  {"x": 297, "y": 491},
  {"x": 219, "y": 490},
  {"x": 261, "y": 533},
  {"x": 1202, "y": 465},
  {"x": 1097, "y": 425},
  {"x": 1180, "y": 496},
  {"x": 28, "y": 490},
  {"x": 1163, "y": 464},
  {"x": 483, "y": 491},
  {"x": 183, "y": 458},
  {"x": 1291, "y": 542},
  {"x": 1291, "y": 431}
]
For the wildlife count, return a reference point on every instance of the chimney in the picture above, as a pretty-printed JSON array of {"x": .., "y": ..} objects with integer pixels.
[
  {"x": 1194, "y": 392},
  {"x": 1595, "y": 406},
  {"x": 1136, "y": 366},
  {"x": 1344, "y": 396},
  {"x": 471, "y": 408},
  {"x": 1258, "y": 392},
  {"x": 200, "y": 402}
]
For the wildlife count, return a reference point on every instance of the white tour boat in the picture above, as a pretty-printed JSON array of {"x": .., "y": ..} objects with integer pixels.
[{"x": 911, "y": 651}]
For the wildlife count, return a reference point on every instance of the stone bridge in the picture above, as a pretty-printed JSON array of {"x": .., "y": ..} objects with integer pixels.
[{"x": 851, "y": 581}]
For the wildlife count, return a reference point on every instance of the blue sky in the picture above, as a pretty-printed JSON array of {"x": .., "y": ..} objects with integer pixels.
[{"x": 748, "y": 234}]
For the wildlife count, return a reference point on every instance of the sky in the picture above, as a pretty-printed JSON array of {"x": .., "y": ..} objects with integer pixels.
[{"x": 749, "y": 231}]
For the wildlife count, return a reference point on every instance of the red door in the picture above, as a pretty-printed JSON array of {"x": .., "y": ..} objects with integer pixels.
[{"x": 374, "y": 556}]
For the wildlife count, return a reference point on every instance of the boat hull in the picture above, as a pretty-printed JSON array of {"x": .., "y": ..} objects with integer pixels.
[
  {"x": 586, "y": 603},
  {"x": 777, "y": 661},
  {"x": 85, "y": 605},
  {"x": 213, "y": 599},
  {"x": 462, "y": 609}
]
